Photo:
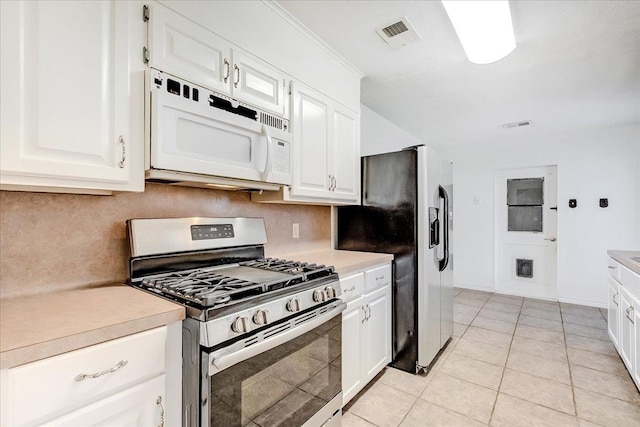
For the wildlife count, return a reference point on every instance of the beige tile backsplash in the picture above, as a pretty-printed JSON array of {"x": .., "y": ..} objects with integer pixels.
[{"x": 52, "y": 242}]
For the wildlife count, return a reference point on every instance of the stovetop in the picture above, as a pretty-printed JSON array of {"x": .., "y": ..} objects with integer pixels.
[
  {"x": 217, "y": 269},
  {"x": 226, "y": 284}
]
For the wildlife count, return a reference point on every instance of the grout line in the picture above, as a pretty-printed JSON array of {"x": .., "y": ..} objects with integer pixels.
[
  {"x": 566, "y": 350},
  {"x": 504, "y": 368}
]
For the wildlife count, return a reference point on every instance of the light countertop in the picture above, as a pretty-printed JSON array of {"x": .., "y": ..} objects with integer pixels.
[
  {"x": 344, "y": 262},
  {"x": 38, "y": 326},
  {"x": 624, "y": 258}
]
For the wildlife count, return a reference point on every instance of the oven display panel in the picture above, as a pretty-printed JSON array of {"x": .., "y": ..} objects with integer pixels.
[{"x": 211, "y": 231}]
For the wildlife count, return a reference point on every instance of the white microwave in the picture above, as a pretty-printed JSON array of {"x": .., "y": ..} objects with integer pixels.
[{"x": 199, "y": 137}]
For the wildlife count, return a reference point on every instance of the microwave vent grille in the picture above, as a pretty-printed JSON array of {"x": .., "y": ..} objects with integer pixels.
[{"x": 272, "y": 121}]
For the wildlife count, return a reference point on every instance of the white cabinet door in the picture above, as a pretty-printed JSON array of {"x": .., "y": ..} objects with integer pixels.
[
  {"x": 636, "y": 353},
  {"x": 311, "y": 143},
  {"x": 376, "y": 334},
  {"x": 627, "y": 330},
  {"x": 613, "y": 311},
  {"x": 69, "y": 96},
  {"x": 345, "y": 154},
  {"x": 139, "y": 406},
  {"x": 352, "y": 319},
  {"x": 181, "y": 47},
  {"x": 258, "y": 83}
]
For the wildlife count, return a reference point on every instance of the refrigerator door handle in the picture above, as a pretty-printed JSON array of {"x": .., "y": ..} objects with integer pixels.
[{"x": 442, "y": 193}]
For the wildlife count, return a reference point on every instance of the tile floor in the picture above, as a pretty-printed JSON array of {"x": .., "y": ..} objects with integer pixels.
[{"x": 512, "y": 362}]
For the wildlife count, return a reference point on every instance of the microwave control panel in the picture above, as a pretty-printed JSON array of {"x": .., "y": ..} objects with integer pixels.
[{"x": 281, "y": 159}]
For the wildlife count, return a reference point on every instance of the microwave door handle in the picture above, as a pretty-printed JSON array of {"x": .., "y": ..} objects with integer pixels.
[
  {"x": 267, "y": 164},
  {"x": 232, "y": 355}
]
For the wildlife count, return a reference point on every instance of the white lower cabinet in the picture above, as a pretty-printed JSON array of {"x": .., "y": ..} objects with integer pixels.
[
  {"x": 351, "y": 321},
  {"x": 613, "y": 310},
  {"x": 366, "y": 328},
  {"x": 128, "y": 381},
  {"x": 624, "y": 316},
  {"x": 627, "y": 340},
  {"x": 139, "y": 406}
]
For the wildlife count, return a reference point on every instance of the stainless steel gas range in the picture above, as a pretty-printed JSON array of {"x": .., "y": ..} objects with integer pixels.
[{"x": 262, "y": 338}]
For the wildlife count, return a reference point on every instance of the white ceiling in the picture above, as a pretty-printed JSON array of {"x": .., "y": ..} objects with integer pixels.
[{"x": 576, "y": 68}]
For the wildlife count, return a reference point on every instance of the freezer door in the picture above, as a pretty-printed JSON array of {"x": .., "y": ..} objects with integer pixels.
[
  {"x": 428, "y": 257},
  {"x": 446, "y": 273}
]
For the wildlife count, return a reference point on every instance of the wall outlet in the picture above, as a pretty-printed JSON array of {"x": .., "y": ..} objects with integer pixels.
[{"x": 296, "y": 230}]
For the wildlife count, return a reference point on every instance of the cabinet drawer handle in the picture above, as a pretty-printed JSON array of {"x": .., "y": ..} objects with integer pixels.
[
  {"x": 237, "y": 70},
  {"x": 379, "y": 278},
  {"x": 353, "y": 288},
  {"x": 121, "y": 364},
  {"x": 159, "y": 402},
  {"x": 124, "y": 151},
  {"x": 611, "y": 267},
  {"x": 227, "y": 66},
  {"x": 628, "y": 315}
]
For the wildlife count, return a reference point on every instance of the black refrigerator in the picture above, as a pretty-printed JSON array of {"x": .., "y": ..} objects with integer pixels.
[{"x": 407, "y": 211}]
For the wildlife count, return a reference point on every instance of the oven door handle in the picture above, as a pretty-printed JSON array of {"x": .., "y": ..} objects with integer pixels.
[{"x": 236, "y": 353}]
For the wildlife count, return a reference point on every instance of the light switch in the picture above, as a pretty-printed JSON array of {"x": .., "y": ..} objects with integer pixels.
[{"x": 296, "y": 230}]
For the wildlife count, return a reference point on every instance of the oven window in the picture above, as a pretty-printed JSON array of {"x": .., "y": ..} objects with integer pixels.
[{"x": 284, "y": 386}]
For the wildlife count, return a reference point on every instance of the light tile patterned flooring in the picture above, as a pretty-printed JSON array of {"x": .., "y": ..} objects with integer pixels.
[{"x": 512, "y": 362}]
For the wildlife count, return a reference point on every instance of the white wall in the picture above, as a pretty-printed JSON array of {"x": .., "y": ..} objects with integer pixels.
[
  {"x": 603, "y": 163},
  {"x": 379, "y": 135}
]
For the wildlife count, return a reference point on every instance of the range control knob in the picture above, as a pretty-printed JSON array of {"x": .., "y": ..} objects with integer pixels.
[
  {"x": 293, "y": 305},
  {"x": 331, "y": 292},
  {"x": 240, "y": 325},
  {"x": 319, "y": 295},
  {"x": 260, "y": 318}
]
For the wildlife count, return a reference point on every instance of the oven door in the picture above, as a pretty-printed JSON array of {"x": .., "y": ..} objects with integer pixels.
[{"x": 285, "y": 375}]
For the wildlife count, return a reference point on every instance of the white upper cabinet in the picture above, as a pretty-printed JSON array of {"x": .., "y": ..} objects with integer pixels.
[
  {"x": 326, "y": 139},
  {"x": 72, "y": 96},
  {"x": 311, "y": 143},
  {"x": 326, "y": 152},
  {"x": 179, "y": 46},
  {"x": 345, "y": 152}
]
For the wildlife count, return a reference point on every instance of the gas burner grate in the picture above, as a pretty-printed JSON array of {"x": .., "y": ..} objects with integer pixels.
[
  {"x": 230, "y": 283},
  {"x": 204, "y": 287},
  {"x": 309, "y": 271}
]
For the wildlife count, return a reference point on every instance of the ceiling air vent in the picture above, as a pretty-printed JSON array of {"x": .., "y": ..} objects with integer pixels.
[
  {"x": 517, "y": 124},
  {"x": 399, "y": 33}
]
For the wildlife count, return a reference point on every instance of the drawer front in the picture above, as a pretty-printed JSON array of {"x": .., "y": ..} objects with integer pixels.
[
  {"x": 614, "y": 268},
  {"x": 50, "y": 386},
  {"x": 352, "y": 286},
  {"x": 377, "y": 277},
  {"x": 629, "y": 280}
]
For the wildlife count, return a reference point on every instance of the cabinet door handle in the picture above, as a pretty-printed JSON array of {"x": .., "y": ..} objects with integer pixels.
[
  {"x": 364, "y": 309},
  {"x": 121, "y": 364},
  {"x": 368, "y": 312},
  {"x": 124, "y": 151},
  {"x": 227, "y": 66},
  {"x": 237, "y": 70},
  {"x": 614, "y": 298},
  {"x": 335, "y": 183},
  {"x": 159, "y": 402},
  {"x": 630, "y": 317}
]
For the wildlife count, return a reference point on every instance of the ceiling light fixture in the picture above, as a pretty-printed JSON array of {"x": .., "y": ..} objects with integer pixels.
[{"x": 483, "y": 27}]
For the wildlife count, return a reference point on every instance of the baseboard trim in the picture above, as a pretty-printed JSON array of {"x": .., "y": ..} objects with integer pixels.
[
  {"x": 501, "y": 292},
  {"x": 474, "y": 287},
  {"x": 583, "y": 302}
]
